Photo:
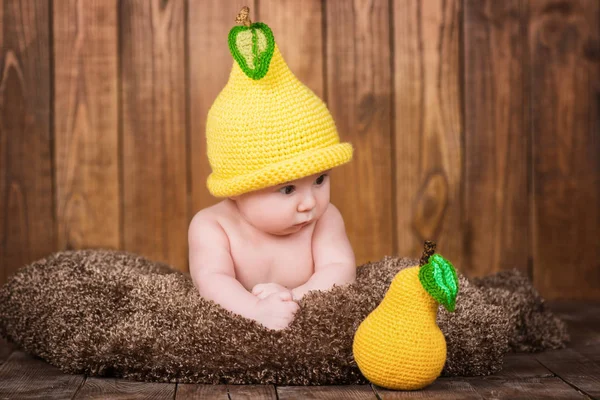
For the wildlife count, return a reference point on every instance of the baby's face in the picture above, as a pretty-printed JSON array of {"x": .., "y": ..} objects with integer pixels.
[{"x": 279, "y": 209}]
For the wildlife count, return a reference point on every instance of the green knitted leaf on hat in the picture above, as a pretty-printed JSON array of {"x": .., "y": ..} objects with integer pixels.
[
  {"x": 252, "y": 48},
  {"x": 438, "y": 277}
]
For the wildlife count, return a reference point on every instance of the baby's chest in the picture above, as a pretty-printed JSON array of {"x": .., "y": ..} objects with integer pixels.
[{"x": 287, "y": 263}]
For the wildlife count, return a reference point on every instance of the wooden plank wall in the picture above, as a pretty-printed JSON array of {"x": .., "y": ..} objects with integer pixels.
[{"x": 476, "y": 123}]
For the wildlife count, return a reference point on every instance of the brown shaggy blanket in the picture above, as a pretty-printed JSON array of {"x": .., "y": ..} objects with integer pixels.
[{"x": 115, "y": 313}]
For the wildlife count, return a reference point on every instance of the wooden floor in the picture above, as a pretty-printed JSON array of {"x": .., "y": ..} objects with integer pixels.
[{"x": 571, "y": 373}]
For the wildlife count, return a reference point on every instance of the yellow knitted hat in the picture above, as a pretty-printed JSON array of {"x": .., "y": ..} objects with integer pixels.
[{"x": 266, "y": 127}]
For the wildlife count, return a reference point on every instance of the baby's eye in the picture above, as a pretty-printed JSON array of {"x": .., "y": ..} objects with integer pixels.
[
  {"x": 287, "y": 189},
  {"x": 320, "y": 179}
]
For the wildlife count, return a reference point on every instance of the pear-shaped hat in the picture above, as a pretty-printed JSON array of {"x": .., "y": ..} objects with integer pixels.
[{"x": 266, "y": 127}]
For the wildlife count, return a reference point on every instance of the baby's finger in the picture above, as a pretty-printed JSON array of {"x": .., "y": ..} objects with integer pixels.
[
  {"x": 285, "y": 296},
  {"x": 263, "y": 295},
  {"x": 258, "y": 289}
]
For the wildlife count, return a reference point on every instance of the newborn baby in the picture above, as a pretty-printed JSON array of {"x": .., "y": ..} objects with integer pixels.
[
  {"x": 258, "y": 253},
  {"x": 271, "y": 144}
]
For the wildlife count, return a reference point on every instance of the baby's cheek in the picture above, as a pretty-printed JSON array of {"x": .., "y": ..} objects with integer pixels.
[
  {"x": 271, "y": 218},
  {"x": 277, "y": 216}
]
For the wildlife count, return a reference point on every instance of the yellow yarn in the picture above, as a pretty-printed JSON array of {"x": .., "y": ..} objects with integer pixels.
[
  {"x": 264, "y": 132},
  {"x": 399, "y": 345}
]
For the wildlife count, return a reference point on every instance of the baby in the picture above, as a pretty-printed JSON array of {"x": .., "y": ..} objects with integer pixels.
[
  {"x": 271, "y": 144},
  {"x": 258, "y": 253}
]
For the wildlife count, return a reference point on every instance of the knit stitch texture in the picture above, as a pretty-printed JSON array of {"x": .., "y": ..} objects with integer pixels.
[
  {"x": 264, "y": 132},
  {"x": 399, "y": 346}
]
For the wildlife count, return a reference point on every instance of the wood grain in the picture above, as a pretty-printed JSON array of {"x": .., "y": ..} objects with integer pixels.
[
  {"x": 475, "y": 124},
  {"x": 527, "y": 388},
  {"x": 188, "y": 391},
  {"x": 27, "y": 222},
  {"x": 583, "y": 323},
  {"x": 25, "y": 377},
  {"x": 496, "y": 194},
  {"x": 225, "y": 392},
  {"x": 564, "y": 41},
  {"x": 428, "y": 127},
  {"x": 522, "y": 365},
  {"x": 210, "y": 63},
  {"x": 351, "y": 392},
  {"x": 155, "y": 204},
  {"x": 574, "y": 368},
  {"x": 359, "y": 95},
  {"x": 441, "y": 388},
  {"x": 250, "y": 392},
  {"x": 86, "y": 123},
  {"x": 114, "y": 389}
]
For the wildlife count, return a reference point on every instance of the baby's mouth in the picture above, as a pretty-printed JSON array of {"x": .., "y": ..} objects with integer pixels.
[{"x": 303, "y": 223}]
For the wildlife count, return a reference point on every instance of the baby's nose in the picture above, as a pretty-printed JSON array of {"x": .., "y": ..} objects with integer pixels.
[{"x": 308, "y": 203}]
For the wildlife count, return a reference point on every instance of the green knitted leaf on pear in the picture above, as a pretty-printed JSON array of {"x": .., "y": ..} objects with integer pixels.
[
  {"x": 438, "y": 277},
  {"x": 252, "y": 48}
]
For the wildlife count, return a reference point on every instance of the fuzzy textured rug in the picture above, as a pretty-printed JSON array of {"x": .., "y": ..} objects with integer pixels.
[{"x": 115, "y": 313}]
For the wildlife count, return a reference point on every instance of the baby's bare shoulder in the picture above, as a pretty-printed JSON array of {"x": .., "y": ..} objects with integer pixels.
[
  {"x": 206, "y": 222},
  {"x": 209, "y": 249},
  {"x": 209, "y": 215}
]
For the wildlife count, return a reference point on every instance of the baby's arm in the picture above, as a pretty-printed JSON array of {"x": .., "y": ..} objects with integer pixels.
[
  {"x": 213, "y": 274},
  {"x": 332, "y": 253},
  {"x": 212, "y": 270}
]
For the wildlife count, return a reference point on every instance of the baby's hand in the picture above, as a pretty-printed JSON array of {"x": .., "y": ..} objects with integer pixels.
[
  {"x": 276, "y": 311},
  {"x": 264, "y": 290}
]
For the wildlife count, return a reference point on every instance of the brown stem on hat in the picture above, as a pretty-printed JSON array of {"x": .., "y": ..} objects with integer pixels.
[
  {"x": 429, "y": 249},
  {"x": 242, "y": 17}
]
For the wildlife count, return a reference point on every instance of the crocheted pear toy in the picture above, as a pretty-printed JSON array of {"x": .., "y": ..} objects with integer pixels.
[
  {"x": 266, "y": 127},
  {"x": 399, "y": 345}
]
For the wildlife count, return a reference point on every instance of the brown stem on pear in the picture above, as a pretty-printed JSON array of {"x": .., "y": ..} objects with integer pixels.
[
  {"x": 429, "y": 249},
  {"x": 242, "y": 17}
]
